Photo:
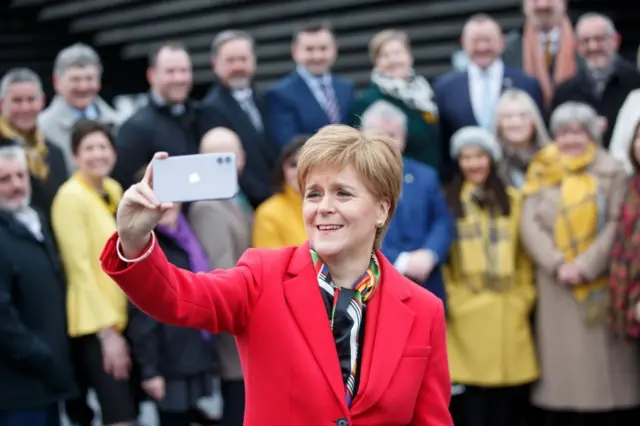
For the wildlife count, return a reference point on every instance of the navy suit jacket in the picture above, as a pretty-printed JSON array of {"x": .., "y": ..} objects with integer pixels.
[
  {"x": 422, "y": 221},
  {"x": 454, "y": 103},
  {"x": 293, "y": 110}
]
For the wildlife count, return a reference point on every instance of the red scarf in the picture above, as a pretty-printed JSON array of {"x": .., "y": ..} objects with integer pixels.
[{"x": 625, "y": 265}]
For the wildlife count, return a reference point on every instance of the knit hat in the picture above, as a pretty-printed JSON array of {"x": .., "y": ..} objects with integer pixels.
[{"x": 477, "y": 137}]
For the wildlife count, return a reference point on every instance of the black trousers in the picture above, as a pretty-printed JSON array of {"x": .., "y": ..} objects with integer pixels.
[
  {"x": 501, "y": 406},
  {"x": 233, "y": 398},
  {"x": 119, "y": 401}
]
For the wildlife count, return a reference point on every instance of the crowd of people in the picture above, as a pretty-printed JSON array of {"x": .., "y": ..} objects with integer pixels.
[{"x": 519, "y": 210}]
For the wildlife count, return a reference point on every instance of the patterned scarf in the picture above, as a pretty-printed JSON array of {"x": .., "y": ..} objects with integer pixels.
[
  {"x": 33, "y": 143},
  {"x": 346, "y": 316},
  {"x": 484, "y": 242},
  {"x": 579, "y": 216},
  {"x": 415, "y": 92},
  {"x": 624, "y": 276}
]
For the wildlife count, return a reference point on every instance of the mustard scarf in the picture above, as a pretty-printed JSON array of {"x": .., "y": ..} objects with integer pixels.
[
  {"x": 485, "y": 244},
  {"x": 34, "y": 145},
  {"x": 578, "y": 220},
  {"x": 110, "y": 201}
]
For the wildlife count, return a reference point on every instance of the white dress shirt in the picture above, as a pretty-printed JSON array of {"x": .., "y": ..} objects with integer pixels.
[
  {"x": 30, "y": 219},
  {"x": 553, "y": 36},
  {"x": 484, "y": 100}
]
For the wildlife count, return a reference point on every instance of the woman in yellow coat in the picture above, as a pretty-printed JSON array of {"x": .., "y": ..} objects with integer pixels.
[
  {"x": 278, "y": 220},
  {"x": 490, "y": 288},
  {"x": 83, "y": 217}
]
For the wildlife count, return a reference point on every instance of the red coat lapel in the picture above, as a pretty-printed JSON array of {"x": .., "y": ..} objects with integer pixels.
[
  {"x": 388, "y": 324},
  {"x": 304, "y": 299}
]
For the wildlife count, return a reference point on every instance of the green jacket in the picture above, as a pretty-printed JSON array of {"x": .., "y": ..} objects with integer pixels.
[{"x": 423, "y": 132}]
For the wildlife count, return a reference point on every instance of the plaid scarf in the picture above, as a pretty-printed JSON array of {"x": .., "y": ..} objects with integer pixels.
[
  {"x": 346, "y": 316},
  {"x": 34, "y": 145},
  {"x": 624, "y": 277},
  {"x": 485, "y": 243},
  {"x": 579, "y": 217}
]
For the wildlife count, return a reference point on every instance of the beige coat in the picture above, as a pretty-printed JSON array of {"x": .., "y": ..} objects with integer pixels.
[
  {"x": 582, "y": 368},
  {"x": 224, "y": 231}
]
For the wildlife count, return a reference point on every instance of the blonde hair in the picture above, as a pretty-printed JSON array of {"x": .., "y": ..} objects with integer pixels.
[
  {"x": 375, "y": 157},
  {"x": 540, "y": 131},
  {"x": 385, "y": 36}
]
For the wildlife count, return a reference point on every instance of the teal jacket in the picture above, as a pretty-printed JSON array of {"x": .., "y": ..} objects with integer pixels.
[{"x": 423, "y": 130}]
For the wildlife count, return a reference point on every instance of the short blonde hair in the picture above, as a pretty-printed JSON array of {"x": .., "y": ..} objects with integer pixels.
[
  {"x": 375, "y": 157},
  {"x": 385, "y": 36}
]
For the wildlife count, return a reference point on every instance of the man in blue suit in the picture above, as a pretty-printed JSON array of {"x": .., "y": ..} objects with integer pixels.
[
  {"x": 421, "y": 231},
  {"x": 469, "y": 98},
  {"x": 310, "y": 97}
]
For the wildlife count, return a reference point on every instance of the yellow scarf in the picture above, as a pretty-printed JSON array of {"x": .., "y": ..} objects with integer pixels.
[
  {"x": 485, "y": 245},
  {"x": 578, "y": 219},
  {"x": 110, "y": 201},
  {"x": 34, "y": 146}
]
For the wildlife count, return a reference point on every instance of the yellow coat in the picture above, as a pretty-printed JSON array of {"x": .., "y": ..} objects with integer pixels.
[
  {"x": 82, "y": 223},
  {"x": 489, "y": 336},
  {"x": 278, "y": 221}
]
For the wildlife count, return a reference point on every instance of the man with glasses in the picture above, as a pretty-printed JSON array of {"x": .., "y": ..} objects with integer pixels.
[{"x": 607, "y": 79}]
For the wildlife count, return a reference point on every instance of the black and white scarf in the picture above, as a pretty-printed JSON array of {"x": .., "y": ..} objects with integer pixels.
[{"x": 415, "y": 92}]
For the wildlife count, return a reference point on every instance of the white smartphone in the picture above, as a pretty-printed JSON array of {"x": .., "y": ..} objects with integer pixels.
[{"x": 198, "y": 177}]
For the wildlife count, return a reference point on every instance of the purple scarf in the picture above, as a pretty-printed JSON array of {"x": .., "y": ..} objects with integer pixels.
[{"x": 184, "y": 237}]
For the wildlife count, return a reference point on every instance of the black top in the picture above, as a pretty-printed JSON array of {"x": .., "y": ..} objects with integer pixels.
[
  {"x": 35, "y": 365},
  {"x": 261, "y": 153},
  {"x": 165, "y": 350},
  {"x": 154, "y": 128},
  {"x": 625, "y": 78}
]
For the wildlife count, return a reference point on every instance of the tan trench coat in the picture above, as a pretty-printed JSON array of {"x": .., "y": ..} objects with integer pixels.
[{"x": 582, "y": 368}]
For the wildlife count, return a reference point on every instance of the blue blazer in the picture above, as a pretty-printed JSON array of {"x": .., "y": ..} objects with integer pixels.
[
  {"x": 292, "y": 110},
  {"x": 454, "y": 103},
  {"x": 422, "y": 221}
]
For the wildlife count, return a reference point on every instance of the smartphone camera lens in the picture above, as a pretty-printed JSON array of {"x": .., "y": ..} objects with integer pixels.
[
  {"x": 219, "y": 160},
  {"x": 227, "y": 160}
]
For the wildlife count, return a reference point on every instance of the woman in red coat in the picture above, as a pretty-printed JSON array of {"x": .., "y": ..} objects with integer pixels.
[{"x": 329, "y": 333}]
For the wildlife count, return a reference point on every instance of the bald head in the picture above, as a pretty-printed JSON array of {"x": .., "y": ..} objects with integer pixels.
[{"x": 221, "y": 139}]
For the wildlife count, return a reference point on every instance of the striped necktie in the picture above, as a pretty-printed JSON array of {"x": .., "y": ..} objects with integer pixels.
[{"x": 330, "y": 106}]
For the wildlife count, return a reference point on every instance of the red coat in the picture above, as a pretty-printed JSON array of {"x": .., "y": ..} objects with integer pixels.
[{"x": 272, "y": 303}]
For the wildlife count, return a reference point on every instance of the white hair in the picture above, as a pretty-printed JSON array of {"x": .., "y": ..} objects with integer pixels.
[
  {"x": 576, "y": 113},
  {"x": 611, "y": 28},
  {"x": 13, "y": 152},
  {"x": 383, "y": 110},
  {"x": 19, "y": 75},
  {"x": 76, "y": 55}
]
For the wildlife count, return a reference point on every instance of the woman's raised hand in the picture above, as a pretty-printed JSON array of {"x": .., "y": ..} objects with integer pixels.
[{"x": 139, "y": 212}]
